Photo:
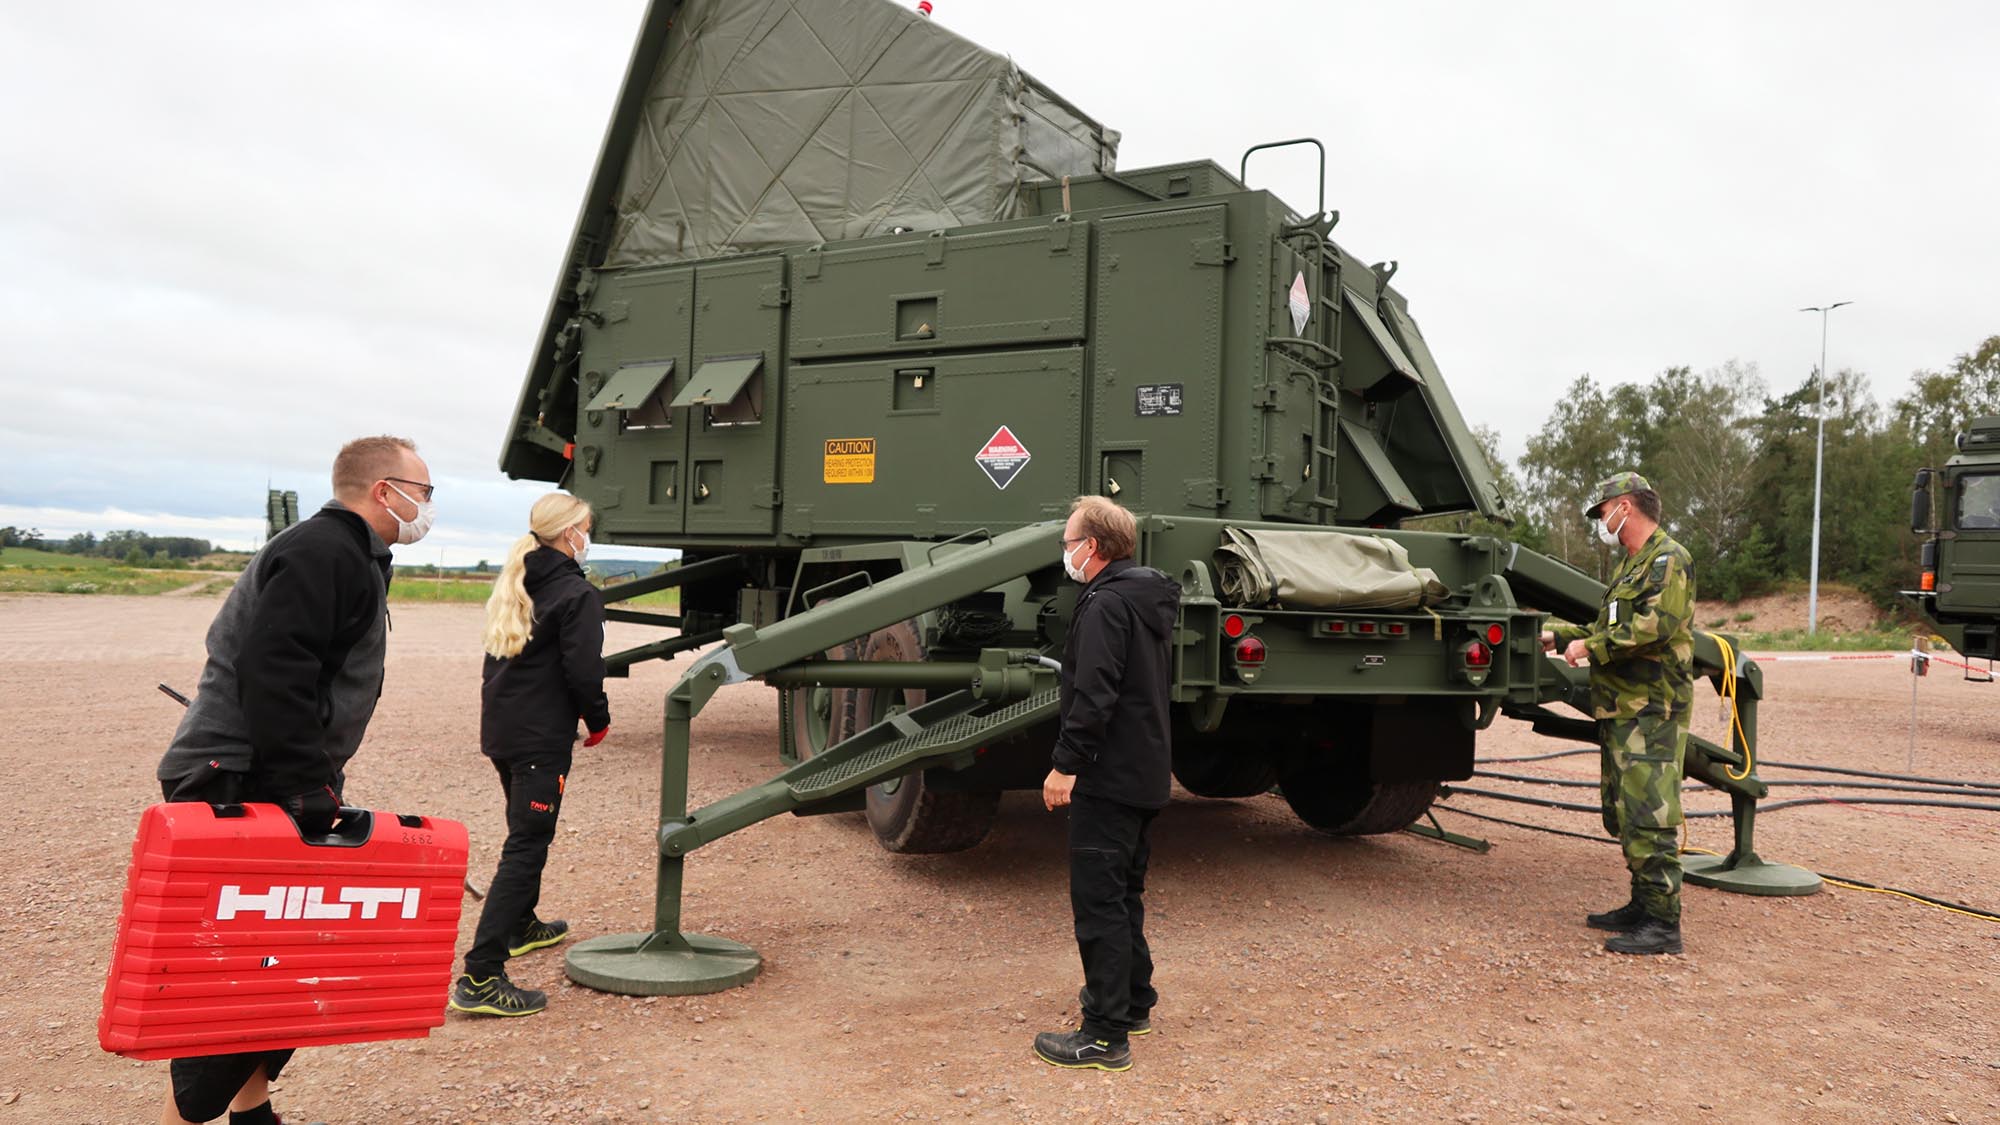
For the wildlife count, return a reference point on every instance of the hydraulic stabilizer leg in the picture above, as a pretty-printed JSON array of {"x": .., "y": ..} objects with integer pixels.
[
  {"x": 666, "y": 961},
  {"x": 1742, "y": 871}
]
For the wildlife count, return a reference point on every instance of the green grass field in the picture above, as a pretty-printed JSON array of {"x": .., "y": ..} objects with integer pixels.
[
  {"x": 474, "y": 591},
  {"x": 1797, "y": 640},
  {"x": 100, "y": 580},
  {"x": 49, "y": 560}
]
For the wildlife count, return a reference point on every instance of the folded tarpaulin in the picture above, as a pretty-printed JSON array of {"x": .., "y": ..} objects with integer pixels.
[
  {"x": 779, "y": 122},
  {"x": 1322, "y": 570}
]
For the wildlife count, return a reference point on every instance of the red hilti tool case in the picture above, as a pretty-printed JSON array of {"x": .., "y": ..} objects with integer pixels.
[{"x": 238, "y": 934}]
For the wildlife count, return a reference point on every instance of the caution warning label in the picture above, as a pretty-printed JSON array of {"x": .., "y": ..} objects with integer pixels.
[
  {"x": 1002, "y": 457},
  {"x": 1300, "y": 302},
  {"x": 850, "y": 460}
]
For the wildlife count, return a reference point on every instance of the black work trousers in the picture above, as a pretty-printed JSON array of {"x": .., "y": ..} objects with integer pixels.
[
  {"x": 533, "y": 784},
  {"x": 1108, "y": 851}
]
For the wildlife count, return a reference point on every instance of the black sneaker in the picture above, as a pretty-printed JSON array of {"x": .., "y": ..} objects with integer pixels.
[
  {"x": 1651, "y": 935},
  {"x": 1074, "y": 1050},
  {"x": 538, "y": 935},
  {"x": 1142, "y": 1022},
  {"x": 1623, "y": 920},
  {"x": 495, "y": 996}
]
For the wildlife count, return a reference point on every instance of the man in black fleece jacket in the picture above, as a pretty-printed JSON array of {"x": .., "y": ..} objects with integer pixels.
[
  {"x": 294, "y": 669},
  {"x": 1112, "y": 767}
]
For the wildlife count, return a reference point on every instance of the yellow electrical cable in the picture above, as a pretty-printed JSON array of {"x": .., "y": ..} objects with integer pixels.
[
  {"x": 1847, "y": 886},
  {"x": 1733, "y": 736}
]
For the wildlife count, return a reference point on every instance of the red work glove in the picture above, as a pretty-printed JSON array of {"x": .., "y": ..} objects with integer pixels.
[{"x": 597, "y": 736}]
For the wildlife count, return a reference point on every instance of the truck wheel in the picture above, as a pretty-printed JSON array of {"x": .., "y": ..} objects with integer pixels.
[
  {"x": 907, "y": 814},
  {"x": 817, "y": 716},
  {"x": 1235, "y": 764},
  {"x": 1341, "y": 802},
  {"x": 1219, "y": 771}
]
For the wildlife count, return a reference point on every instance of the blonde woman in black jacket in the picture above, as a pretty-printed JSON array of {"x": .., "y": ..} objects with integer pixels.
[{"x": 544, "y": 673}]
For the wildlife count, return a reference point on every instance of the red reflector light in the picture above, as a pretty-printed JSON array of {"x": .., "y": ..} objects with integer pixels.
[
  {"x": 1249, "y": 650},
  {"x": 1477, "y": 655},
  {"x": 1929, "y": 581},
  {"x": 1364, "y": 626},
  {"x": 1336, "y": 626},
  {"x": 1233, "y": 626},
  {"x": 1495, "y": 634},
  {"x": 1396, "y": 628}
]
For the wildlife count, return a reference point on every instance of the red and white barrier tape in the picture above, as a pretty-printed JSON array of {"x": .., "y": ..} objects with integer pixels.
[
  {"x": 1803, "y": 657},
  {"x": 1808, "y": 657}
]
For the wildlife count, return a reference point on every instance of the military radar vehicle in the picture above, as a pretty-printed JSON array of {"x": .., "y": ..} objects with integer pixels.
[
  {"x": 1957, "y": 510},
  {"x": 855, "y": 308}
]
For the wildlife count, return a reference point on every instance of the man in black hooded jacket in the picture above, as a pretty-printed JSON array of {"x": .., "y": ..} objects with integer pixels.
[{"x": 1112, "y": 767}]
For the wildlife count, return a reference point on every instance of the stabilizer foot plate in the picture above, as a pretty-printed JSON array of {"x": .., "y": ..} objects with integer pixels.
[
  {"x": 697, "y": 964},
  {"x": 1753, "y": 878}
]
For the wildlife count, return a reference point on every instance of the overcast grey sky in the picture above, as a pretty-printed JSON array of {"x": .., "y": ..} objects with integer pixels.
[{"x": 235, "y": 234}]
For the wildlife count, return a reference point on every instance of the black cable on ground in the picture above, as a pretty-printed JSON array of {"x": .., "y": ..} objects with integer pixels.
[
  {"x": 1797, "y": 802},
  {"x": 1909, "y": 777},
  {"x": 1525, "y": 824},
  {"x": 1696, "y": 786},
  {"x": 1837, "y": 880},
  {"x": 1534, "y": 757},
  {"x": 1995, "y": 785},
  {"x": 1794, "y": 803},
  {"x": 1961, "y": 783}
]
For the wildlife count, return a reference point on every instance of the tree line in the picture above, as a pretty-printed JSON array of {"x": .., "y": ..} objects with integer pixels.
[
  {"x": 134, "y": 547},
  {"x": 1732, "y": 459}
]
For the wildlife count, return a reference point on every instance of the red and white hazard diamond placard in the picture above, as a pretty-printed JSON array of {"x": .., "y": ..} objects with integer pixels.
[
  {"x": 1002, "y": 457},
  {"x": 1301, "y": 304}
]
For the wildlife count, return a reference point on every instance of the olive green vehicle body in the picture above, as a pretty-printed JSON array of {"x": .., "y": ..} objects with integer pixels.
[
  {"x": 1957, "y": 509},
  {"x": 807, "y": 423}
]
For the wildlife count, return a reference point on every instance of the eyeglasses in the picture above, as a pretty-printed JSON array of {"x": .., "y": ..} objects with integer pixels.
[
  {"x": 1078, "y": 539},
  {"x": 430, "y": 490}
]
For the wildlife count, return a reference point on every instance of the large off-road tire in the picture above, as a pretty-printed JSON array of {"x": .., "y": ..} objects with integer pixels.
[
  {"x": 816, "y": 716},
  {"x": 1216, "y": 770},
  {"x": 1233, "y": 762},
  {"x": 1342, "y": 802},
  {"x": 907, "y": 813}
]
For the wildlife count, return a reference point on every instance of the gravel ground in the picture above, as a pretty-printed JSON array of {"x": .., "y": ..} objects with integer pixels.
[{"x": 1304, "y": 978}]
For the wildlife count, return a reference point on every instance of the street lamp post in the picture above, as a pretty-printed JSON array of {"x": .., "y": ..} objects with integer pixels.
[{"x": 1819, "y": 461}]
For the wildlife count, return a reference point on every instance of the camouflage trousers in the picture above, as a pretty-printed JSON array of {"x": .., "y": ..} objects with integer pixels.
[{"x": 1642, "y": 802}]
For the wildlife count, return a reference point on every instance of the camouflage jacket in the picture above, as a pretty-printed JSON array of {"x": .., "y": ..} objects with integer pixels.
[{"x": 1642, "y": 643}]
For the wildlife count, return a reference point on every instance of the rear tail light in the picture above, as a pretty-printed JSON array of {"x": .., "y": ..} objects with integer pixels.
[
  {"x": 1477, "y": 655},
  {"x": 1233, "y": 626},
  {"x": 1495, "y": 634},
  {"x": 1928, "y": 582},
  {"x": 1250, "y": 651}
]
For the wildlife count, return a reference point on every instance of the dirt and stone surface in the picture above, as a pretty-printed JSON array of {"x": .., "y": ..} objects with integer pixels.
[{"x": 1303, "y": 978}]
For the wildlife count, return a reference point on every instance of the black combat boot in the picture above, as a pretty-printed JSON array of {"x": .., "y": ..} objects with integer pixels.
[
  {"x": 1623, "y": 920},
  {"x": 1651, "y": 935}
]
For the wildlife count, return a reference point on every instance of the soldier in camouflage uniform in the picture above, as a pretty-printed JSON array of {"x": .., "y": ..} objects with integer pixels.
[{"x": 1641, "y": 653}]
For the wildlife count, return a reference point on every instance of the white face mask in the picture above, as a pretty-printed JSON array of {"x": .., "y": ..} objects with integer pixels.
[
  {"x": 582, "y": 546},
  {"x": 409, "y": 531},
  {"x": 1073, "y": 568},
  {"x": 1608, "y": 535}
]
